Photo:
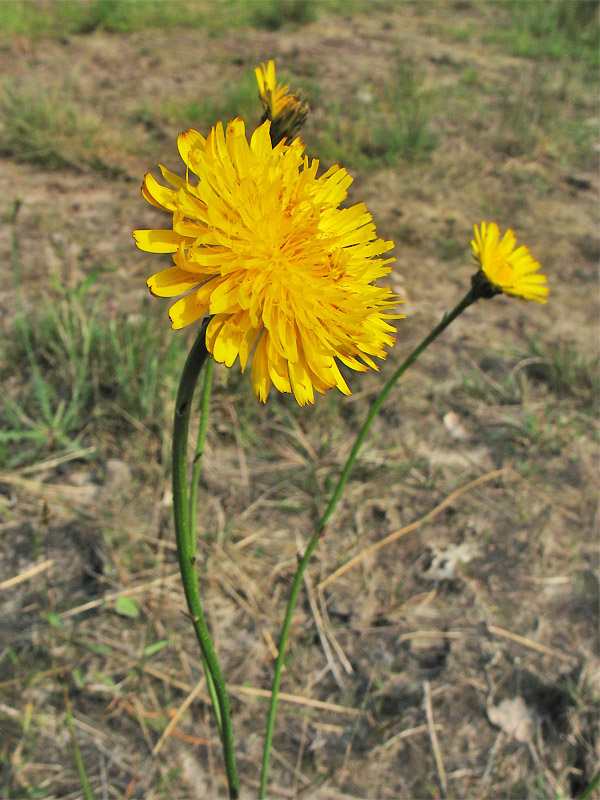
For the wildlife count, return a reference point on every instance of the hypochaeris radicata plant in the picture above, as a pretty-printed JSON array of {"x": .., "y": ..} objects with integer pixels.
[{"x": 280, "y": 275}]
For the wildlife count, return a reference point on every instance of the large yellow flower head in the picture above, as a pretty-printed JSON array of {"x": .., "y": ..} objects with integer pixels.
[
  {"x": 260, "y": 243},
  {"x": 505, "y": 269}
]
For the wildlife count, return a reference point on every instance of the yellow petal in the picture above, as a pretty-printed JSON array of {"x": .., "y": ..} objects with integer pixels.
[
  {"x": 278, "y": 366},
  {"x": 187, "y": 310},
  {"x": 172, "y": 178},
  {"x": 158, "y": 195},
  {"x": 188, "y": 142},
  {"x": 301, "y": 384},
  {"x": 261, "y": 380},
  {"x": 172, "y": 282},
  {"x": 158, "y": 241},
  {"x": 227, "y": 342}
]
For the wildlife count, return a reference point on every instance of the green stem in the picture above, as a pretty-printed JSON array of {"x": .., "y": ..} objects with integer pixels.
[
  {"x": 187, "y": 560},
  {"x": 197, "y": 464},
  {"x": 83, "y": 778},
  {"x": 467, "y": 300},
  {"x": 193, "y": 505}
]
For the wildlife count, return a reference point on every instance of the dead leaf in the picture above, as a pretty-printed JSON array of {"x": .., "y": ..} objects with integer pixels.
[{"x": 513, "y": 717}]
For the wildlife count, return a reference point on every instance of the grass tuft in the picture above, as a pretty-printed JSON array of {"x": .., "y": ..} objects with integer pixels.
[
  {"x": 39, "y": 18},
  {"x": 72, "y": 17},
  {"x": 44, "y": 129},
  {"x": 235, "y": 99},
  {"x": 551, "y": 29},
  {"x": 382, "y": 126},
  {"x": 84, "y": 369},
  {"x": 566, "y": 371}
]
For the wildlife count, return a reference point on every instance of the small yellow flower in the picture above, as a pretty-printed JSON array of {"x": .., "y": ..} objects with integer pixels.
[
  {"x": 273, "y": 95},
  {"x": 286, "y": 111},
  {"x": 260, "y": 243},
  {"x": 508, "y": 270}
]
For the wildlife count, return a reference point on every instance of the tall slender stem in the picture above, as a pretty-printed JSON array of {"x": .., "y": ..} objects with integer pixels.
[
  {"x": 467, "y": 300},
  {"x": 185, "y": 554},
  {"x": 77, "y": 758},
  {"x": 193, "y": 506},
  {"x": 197, "y": 464}
]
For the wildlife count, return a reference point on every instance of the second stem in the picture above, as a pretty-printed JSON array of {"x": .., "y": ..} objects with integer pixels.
[{"x": 467, "y": 300}]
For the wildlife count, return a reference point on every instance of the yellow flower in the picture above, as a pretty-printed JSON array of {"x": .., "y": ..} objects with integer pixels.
[
  {"x": 286, "y": 111},
  {"x": 273, "y": 95},
  {"x": 260, "y": 244},
  {"x": 507, "y": 270}
]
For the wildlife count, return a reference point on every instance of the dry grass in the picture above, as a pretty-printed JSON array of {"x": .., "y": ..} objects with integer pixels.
[{"x": 460, "y": 570}]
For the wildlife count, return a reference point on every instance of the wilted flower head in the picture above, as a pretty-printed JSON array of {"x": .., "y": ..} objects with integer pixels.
[
  {"x": 504, "y": 269},
  {"x": 260, "y": 244},
  {"x": 286, "y": 111}
]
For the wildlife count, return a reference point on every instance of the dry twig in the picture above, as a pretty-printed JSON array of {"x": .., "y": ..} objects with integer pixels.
[
  {"x": 29, "y": 573},
  {"x": 296, "y": 699},
  {"x": 414, "y": 525},
  {"x": 177, "y": 716},
  {"x": 532, "y": 645},
  {"x": 108, "y": 598},
  {"x": 322, "y": 633}
]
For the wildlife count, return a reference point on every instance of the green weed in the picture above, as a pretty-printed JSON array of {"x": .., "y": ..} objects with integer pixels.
[
  {"x": 470, "y": 77},
  {"x": 561, "y": 367},
  {"x": 450, "y": 245},
  {"x": 168, "y": 783},
  {"x": 479, "y": 385},
  {"x": 83, "y": 370},
  {"x": 462, "y": 34},
  {"x": 451, "y": 248}
]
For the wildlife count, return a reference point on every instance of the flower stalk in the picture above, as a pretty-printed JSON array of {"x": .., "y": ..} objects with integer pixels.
[
  {"x": 193, "y": 506},
  {"x": 187, "y": 558},
  {"x": 209, "y": 370},
  {"x": 471, "y": 296}
]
